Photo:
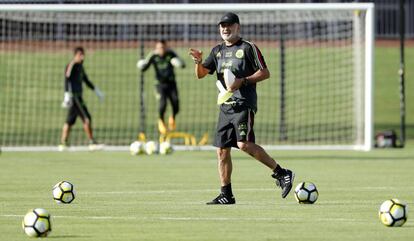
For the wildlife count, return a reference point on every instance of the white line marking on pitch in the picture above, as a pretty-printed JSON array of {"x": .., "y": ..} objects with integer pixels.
[
  {"x": 198, "y": 218},
  {"x": 236, "y": 190},
  {"x": 174, "y": 191}
]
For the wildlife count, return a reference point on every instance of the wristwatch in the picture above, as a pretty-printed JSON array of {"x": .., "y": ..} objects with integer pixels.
[{"x": 245, "y": 81}]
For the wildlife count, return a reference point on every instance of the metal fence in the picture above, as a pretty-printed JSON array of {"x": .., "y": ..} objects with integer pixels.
[{"x": 387, "y": 24}]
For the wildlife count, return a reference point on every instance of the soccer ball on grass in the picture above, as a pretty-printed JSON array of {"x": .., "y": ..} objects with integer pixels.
[
  {"x": 37, "y": 223},
  {"x": 151, "y": 147},
  {"x": 166, "y": 148},
  {"x": 306, "y": 193},
  {"x": 136, "y": 148},
  {"x": 393, "y": 213},
  {"x": 63, "y": 192}
]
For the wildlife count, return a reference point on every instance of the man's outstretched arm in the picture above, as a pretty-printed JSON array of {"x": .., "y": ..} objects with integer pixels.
[
  {"x": 144, "y": 64},
  {"x": 197, "y": 56}
]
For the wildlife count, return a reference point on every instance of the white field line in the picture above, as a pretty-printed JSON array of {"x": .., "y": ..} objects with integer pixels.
[
  {"x": 196, "y": 218},
  {"x": 172, "y": 191}
]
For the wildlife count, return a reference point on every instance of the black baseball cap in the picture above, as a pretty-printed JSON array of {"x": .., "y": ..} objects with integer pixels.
[{"x": 229, "y": 18}]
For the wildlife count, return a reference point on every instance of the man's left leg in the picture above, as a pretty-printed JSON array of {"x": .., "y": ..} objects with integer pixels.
[
  {"x": 87, "y": 124},
  {"x": 258, "y": 153},
  {"x": 284, "y": 177},
  {"x": 93, "y": 144},
  {"x": 162, "y": 108},
  {"x": 64, "y": 137},
  {"x": 87, "y": 127},
  {"x": 173, "y": 96},
  {"x": 245, "y": 141},
  {"x": 70, "y": 121}
]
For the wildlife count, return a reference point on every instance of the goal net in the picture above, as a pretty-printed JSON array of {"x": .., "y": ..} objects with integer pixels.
[{"x": 319, "y": 56}]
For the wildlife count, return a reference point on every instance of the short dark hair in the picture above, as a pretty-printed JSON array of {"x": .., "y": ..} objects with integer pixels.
[
  {"x": 163, "y": 41},
  {"x": 78, "y": 49}
]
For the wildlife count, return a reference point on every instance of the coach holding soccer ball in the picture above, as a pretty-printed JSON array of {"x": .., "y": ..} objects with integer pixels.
[{"x": 235, "y": 123}]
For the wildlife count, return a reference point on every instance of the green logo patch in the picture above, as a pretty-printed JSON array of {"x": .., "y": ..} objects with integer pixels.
[
  {"x": 242, "y": 129},
  {"x": 239, "y": 53}
]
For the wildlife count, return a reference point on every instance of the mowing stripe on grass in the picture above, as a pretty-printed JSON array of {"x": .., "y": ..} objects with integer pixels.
[
  {"x": 236, "y": 190},
  {"x": 284, "y": 219}
]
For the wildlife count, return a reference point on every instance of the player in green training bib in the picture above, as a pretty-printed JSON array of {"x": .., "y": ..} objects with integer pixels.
[
  {"x": 236, "y": 118},
  {"x": 164, "y": 60}
]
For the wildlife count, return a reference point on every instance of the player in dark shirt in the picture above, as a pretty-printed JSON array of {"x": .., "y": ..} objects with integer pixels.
[
  {"x": 75, "y": 75},
  {"x": 236, "y": 118},
  {"x": 164, "y": 60}
]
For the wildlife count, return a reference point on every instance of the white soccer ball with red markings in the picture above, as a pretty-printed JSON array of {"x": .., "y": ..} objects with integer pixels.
[
  {"x": 37, "y": 223},
  {"x": 64, "y": 192},
  {"x": 393, "y": 213},
  {"x": 306, "y": 193}
]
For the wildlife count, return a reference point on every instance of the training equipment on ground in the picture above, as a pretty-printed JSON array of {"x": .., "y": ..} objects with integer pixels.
[
  {"x": 393, "y": 213},
  {"x": 37, "y": 223},
  {"x": 64, "y": 192},
  {"x": 306, "y": 193},
  {"x": 151, "y": 147},
  {"x": 166, "y": 148},
  {"x": 136, "y": 148},
  {"x": 319, "y": 56},
  {"x": 223, "y": 95}
]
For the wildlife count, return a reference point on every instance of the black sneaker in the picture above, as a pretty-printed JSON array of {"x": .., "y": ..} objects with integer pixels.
[
  {"x": 284, "y": 180},
  {"x": 222, "y": 199}
]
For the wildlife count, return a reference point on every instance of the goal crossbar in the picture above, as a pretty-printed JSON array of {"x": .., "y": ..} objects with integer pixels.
[{"x": 184, "y": 7}]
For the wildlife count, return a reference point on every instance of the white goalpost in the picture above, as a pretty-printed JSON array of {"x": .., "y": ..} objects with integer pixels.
[{"x": 320, "y": 56}]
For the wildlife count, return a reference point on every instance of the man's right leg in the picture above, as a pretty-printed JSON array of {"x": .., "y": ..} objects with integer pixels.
[
  {"x": 225, "y": 168},
  {"x": 70, "y": 121},
  {"x": 63, "y": 146},
  {"x": 65, "y": 133},
  {"x": 224, "y": 165}
]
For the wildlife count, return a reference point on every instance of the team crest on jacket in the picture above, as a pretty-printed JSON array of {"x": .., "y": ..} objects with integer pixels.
[{"x": 239, "y": 53}]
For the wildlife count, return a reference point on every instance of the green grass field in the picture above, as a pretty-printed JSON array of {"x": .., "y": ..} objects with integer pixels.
[
  {"x": 120, "y": 197},
  {"x": 123, "y": 197}
]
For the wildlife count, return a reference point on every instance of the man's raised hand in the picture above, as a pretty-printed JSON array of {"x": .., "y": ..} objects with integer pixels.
[{"x": 196, "y": 55}]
